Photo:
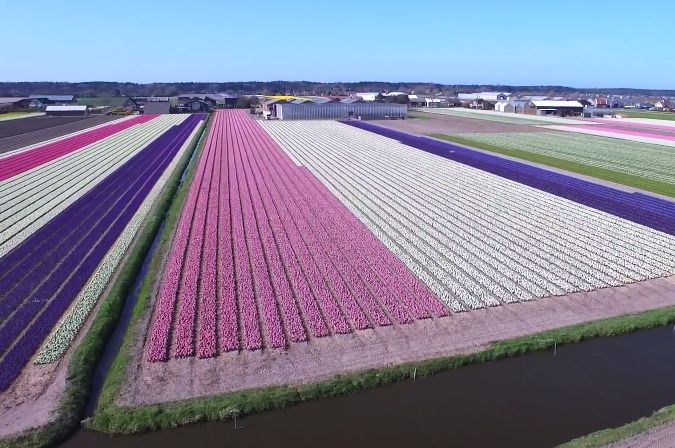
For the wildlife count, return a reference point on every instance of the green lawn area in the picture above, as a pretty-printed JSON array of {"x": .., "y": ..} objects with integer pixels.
[
  {"x": 14, "y": 114},
  {"x": 418, "y": 117},
  {"x": 642, "y": 183},
  {"x": 654, "y": 115},
  {"x": 112, "y": 101}
]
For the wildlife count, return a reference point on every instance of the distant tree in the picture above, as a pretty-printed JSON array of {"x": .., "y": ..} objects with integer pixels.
[{"x": 380, "y": 98}]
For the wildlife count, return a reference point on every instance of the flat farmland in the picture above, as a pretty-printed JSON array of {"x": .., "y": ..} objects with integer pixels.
[
  {"x": 17, "y": 137},
  {"x": 69, "y": 212},
  {"x": 306, "y": 250}
]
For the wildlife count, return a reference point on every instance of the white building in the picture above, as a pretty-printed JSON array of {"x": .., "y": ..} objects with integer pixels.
[{"x": 486, "y": 96}]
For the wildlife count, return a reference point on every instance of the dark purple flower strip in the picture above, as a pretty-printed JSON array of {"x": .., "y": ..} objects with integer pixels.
[
  {"x": 652, "y": 212},
  {"x": 53, "y": 242},
  {"x": 156, "y": 158},
  {"x": 56, "y": 261}
]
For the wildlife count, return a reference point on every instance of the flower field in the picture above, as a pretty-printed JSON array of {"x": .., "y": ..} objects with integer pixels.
[
  {"x": 265, "y": 256},
  {"x": 66, "y": 222},
  {"x": 475, "y": 238},
  {"x": 654, "y": 162},
  {"x": 26, "y": 160}
]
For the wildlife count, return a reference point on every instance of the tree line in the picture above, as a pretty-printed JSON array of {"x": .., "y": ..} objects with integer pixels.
[{"x": 112, "y": 89}]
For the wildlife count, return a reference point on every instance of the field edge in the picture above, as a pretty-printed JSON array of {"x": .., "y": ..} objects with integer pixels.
[
  {"x": 85, "y": 358},
  {"x": 112, "y": 419},
  {"x": 642, "y": 183},
  {"x": 605, "y": 437}
]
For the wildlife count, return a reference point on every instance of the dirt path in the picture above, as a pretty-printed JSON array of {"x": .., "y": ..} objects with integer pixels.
[
  {"x": 318, "y": 359},
  {"x": 446, "y": 124}
]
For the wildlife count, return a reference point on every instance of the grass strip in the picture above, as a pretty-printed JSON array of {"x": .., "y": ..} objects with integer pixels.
[
  {"x": 654, "y": 115},
  {"x": 664, "y": 188},
  {"x": 603, "y": 438},
  {"x": 86, "y": 356}
]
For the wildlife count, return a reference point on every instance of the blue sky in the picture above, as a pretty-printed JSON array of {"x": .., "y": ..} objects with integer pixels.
[{"x": 591, "y": 43}]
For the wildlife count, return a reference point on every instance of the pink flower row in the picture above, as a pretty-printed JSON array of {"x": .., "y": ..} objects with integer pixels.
[{"x": 263, "y": 248}]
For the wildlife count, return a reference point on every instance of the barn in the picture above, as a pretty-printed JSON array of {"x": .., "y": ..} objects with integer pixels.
[
  {"x": 67, "y": 111},
  {"x": 54, "y": 99},
  {"x": 157, "y": 105},
  {"x": 559, "y": 108}
]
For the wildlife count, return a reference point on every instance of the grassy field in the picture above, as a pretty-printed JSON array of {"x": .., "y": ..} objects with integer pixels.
[
  {"x": 642, "y": 183},
  {"x": 654, "y": 115},
  {"x": 85, "y": 358},
  {"x": 112, "y": 101}
]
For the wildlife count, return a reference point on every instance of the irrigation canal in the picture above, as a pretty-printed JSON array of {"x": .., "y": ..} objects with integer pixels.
[{"x": 535, "y": 400}]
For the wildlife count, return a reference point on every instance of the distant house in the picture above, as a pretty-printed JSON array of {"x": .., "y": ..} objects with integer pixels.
[
  {"x": 157, "y": 105},
  {"x": 559, "y": 108},
  {"x": 62, "y": 111},
  {"x": 483, "y": 104},
  {"x": 54, "y": 99},
  {"x": 664, "y": 105},
  {"x": 417, "y": 101},
  {"x": 195, "y": 105},
  {"x": 14, "y": 104},
  {"x": 519, "y": 106},
  {"x": 600, "y": 102}
]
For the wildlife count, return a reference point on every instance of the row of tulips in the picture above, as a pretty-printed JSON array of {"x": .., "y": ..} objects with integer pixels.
[
  {"x": 635, "y": 159},
  {"x": 27, "y": 160},
  {"x": 476, "y": 239},
  {"x": 66, "y": 331},
  {"x": 42, "y": 284},
  {"x": 304, "y": 267},
  {"x": 649, "y": 211},
  {"x": 30, "y": 200}
]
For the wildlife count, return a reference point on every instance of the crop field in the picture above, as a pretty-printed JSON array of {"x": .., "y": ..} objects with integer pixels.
[
  {"x": 491, "y": 115},
  {"x": 69, "y": 209},
  {"x": 20, "y": 137},
  {"x": 309, "y": 249},
  {"x": 434, "y": 215},
  {"x": 654, "y": 162},
  {"x": 265, "y": 256}
]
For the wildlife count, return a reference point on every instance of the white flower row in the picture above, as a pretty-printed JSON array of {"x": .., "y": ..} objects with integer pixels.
[
  {"x": 55, "y": 188},
  {"x": 471, "y": 236},
  {"x": 66, "y": 330},
  {"x": 637, "y": 159}
]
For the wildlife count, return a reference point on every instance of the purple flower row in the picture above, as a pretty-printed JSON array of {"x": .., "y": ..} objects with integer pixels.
[{"x": 62, "y": 266}]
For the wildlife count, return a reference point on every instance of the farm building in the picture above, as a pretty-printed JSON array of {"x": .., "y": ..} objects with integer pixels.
[
  {"x": 515, "y": 107},
  {"x": 54, "y": 99},
  {"x": 482, "y": 104},
  {"x": 487, "y": 96},
  {"x": 195, "y": 105},
  {"x": 157, "y": 105},
  {"x": 416, "y": 101},
  {"x": 61, "y": 111},
  {"x": 338, "y": 111},
  {"x": 12, "y": 103},
  {"x": 132, "y": 105},
  {"x": 560, "y": 108}
]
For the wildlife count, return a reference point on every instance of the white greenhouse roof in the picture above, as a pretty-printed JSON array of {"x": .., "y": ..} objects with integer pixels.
[
  {"x": 65, "y": 108},
  {"x": 551, "y": 103}
]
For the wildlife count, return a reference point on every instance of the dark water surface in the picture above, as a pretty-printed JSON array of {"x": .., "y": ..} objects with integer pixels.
[{"x": 535, "y": 400}]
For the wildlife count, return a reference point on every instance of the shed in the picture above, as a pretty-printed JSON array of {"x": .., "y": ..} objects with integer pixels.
[
  {"x": 157, "y": 105},
  {"x": 60, "y": 111},
  {"x": 560, "y": 108},
  {"x": 196, "y": 105}
]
